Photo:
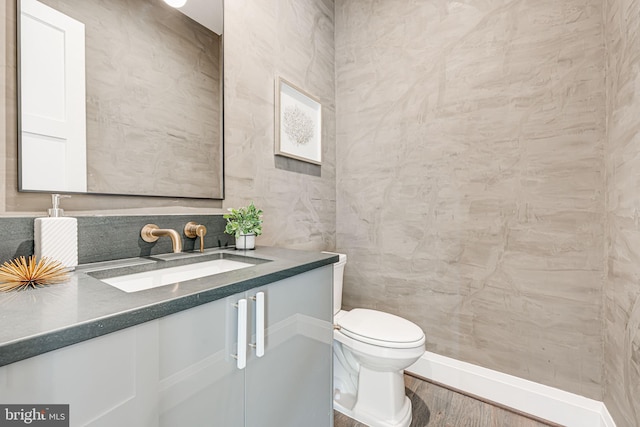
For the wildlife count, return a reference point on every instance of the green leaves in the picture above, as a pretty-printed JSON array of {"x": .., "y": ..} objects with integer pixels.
[{"x": 245, "y": 220}]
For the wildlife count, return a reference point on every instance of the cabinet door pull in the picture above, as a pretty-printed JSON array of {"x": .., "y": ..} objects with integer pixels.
[
  {"x": 241, "y": 356},
  {"x": 260, "y": 324}
]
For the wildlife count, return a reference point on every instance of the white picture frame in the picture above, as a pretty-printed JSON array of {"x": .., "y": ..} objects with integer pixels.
[{"x": 298, "y": 123}]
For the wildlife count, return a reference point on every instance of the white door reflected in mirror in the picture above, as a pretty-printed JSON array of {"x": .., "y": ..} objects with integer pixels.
[{"x": 52, "y": 75}]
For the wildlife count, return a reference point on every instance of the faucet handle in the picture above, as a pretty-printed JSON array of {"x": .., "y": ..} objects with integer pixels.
[
  {"x": 193, "y": 230},
  {"x": 147, "y": 233}
]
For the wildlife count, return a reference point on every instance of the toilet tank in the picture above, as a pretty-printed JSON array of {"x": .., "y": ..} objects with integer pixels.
[{"x": 338, "y": 273}]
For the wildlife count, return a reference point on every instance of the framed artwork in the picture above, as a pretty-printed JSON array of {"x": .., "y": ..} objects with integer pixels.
[{"x": 298, "y": 123}]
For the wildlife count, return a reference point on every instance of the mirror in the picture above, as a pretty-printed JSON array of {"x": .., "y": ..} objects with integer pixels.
[{"x": 121, "y": 97}]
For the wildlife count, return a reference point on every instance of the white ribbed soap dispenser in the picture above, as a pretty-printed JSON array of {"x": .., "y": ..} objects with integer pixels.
[{"x": 56, "y": 236}]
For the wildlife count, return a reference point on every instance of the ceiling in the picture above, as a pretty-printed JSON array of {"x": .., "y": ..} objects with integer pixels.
[{"x": 206, "y": 12}]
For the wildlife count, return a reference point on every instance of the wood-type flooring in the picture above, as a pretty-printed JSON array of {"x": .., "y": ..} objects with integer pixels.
[{"x": 436, "y": 406}]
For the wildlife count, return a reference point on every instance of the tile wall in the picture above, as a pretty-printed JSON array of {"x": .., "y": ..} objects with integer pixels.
[
  {"x": 470, "y": 178},
  {"x": 622, "y": 244}
]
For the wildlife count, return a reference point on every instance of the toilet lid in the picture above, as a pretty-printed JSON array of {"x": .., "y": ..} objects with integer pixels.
[{"x": 379, "y": 328}]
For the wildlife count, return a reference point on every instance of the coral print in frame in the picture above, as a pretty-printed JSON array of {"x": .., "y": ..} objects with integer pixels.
[{"x": 298, "y": 123}]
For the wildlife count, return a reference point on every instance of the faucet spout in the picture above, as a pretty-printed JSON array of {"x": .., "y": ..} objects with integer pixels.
[{"x": 151, "y": 232}]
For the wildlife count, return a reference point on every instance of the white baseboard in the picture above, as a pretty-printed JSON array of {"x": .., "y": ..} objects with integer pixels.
[{"x": 539, "y": 400}]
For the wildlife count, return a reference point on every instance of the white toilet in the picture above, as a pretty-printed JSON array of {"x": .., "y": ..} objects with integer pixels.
[{"x": 371, "y": 349}]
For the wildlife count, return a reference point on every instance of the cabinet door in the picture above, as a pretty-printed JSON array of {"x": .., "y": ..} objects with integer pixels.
[
  {"x": 290, "y": 386},
  {"x": 200, "y": 384},
  {"x": 106, "y": 381}
]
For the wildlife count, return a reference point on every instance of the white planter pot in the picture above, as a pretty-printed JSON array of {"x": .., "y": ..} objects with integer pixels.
[{"x": 246, "y": 241}]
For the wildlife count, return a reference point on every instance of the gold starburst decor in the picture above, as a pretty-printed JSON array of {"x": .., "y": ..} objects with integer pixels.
[{"x": 20, "y": 274}]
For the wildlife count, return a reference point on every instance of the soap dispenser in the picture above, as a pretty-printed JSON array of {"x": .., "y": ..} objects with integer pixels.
[{"x": 56, "y": 236}]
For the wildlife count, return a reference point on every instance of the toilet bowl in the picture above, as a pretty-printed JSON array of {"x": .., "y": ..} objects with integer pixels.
[{"x": 371, "y": 349}]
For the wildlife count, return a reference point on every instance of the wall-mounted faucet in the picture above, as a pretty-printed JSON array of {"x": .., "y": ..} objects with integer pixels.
[
  {"x": 193, "y": 230},
  {"x": 151, "y": 232}
]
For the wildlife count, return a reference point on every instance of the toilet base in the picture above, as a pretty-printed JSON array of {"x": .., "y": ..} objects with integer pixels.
[{"x": 348, "y": 400}]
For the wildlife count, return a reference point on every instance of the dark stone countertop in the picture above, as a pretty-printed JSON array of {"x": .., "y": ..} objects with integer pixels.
[{"x": 36, "y": 321}]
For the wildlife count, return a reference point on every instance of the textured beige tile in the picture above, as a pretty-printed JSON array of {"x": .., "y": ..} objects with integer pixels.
[
  {"x": 470, "y": 177},
  {"x": 622, "y": 296},
  {"x": 264, "y": 40}
]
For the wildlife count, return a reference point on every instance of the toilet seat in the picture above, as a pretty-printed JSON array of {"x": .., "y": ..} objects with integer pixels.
[{"x": 380, "y": 329}]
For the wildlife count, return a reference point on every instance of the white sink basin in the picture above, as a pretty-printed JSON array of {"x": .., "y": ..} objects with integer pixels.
[{"x": 166, "y": 276}]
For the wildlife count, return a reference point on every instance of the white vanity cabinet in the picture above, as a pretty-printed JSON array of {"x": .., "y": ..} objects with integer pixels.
[
  {"x": 290, "y": 385},
  {"x": 179, "y": 370}
]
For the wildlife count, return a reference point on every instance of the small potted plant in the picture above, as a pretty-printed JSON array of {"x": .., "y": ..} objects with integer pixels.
[{"x": 245, "y": 223}]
